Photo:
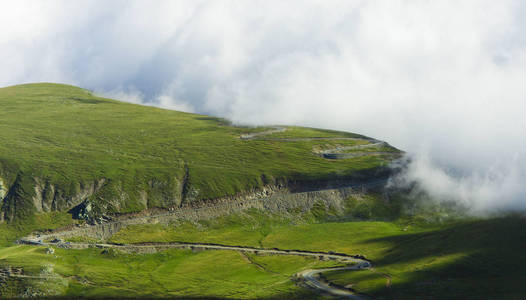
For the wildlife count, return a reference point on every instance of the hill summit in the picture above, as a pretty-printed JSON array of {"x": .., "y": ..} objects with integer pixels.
[{"x": 66, "y": 149}]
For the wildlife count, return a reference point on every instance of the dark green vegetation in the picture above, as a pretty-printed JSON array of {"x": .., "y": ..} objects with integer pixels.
[
  {"x": 477, "y": 259},
  {"x": 61, "y": 144}
]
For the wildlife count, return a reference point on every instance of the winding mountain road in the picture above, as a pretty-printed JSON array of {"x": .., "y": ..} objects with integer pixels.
[
  {"x": 333, "y": 153},
  {"x": 249, "y": 136},
  {"x": 309, "y": 277}
]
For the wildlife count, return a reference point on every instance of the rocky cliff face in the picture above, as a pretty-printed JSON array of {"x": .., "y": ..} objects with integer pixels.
[
  {"x": 48, "y": 197},
  {"x": 3, "y": 193},
  {"x": 98, "y": 199},
  {"x": 89, "y": 200},
  {"x": 271, "y": 199},
  {"x": 3, "y": 190}
]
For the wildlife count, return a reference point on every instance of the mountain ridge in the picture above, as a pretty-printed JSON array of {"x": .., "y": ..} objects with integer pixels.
[{"x": 66, "y": 149}]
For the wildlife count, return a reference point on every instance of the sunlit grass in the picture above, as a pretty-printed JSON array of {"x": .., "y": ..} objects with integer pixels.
[
  {"x": 66, "y": 136},
  {"x": 228, "y": 274}
]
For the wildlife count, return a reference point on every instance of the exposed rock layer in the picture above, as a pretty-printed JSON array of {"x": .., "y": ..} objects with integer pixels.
[
  {"x": 269, "y": 200},
  {"x": 101, "y": 199}
]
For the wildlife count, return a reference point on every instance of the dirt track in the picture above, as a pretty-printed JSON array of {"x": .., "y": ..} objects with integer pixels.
[
  {"x": 309, "y": 276},
  {"x": 334, "y": 153}
]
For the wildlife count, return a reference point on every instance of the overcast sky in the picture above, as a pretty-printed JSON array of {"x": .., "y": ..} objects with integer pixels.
[{"x": 443, "y": 80}]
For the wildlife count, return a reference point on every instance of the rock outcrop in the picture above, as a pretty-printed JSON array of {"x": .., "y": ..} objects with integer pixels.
[
  {"x": 3, "y": 189},
  {"x": 49, "y": 198},
  {"x": 100, "y": 200},
  {"x": 271, "y": 200},
  {"x": 89, "y": 200}
]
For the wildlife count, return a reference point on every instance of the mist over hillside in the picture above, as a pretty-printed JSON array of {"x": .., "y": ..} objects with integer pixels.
[{"x": 440, "y": 80}]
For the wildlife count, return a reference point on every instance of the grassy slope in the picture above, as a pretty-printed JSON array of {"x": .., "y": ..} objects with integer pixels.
[
  {"x": 469, "y": 259},
  {"x": 11, "y": 232},
  {"x": 479, "y": 259},
  {"x": 170, "y": 273},
  {"x": 462, "y": 259},
  {"x": 66, "y": 135}
]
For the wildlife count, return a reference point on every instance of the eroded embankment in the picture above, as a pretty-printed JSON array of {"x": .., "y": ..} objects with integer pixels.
[{"x": 277, "y": 202}]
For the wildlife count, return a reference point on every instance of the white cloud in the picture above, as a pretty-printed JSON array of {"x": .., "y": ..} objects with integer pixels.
[{"x": 441, "y": 78}]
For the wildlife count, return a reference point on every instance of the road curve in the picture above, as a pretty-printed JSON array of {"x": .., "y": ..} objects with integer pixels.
[
  {"x": 308, "y": 276},
  {"x": 334, "y": 153},
  {"x": 341, "y": 257},
  {"x": 249, "y": 136}
]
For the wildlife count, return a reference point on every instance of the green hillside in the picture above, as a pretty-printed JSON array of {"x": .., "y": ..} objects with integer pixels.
[
  {"x": 414, "y": 258},
  {"x": 66, "y": 152},
  {"x": 61, "y": 144}
]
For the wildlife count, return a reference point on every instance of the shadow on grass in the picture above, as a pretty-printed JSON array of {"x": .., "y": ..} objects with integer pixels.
[{"x": 480, "y": 259}]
